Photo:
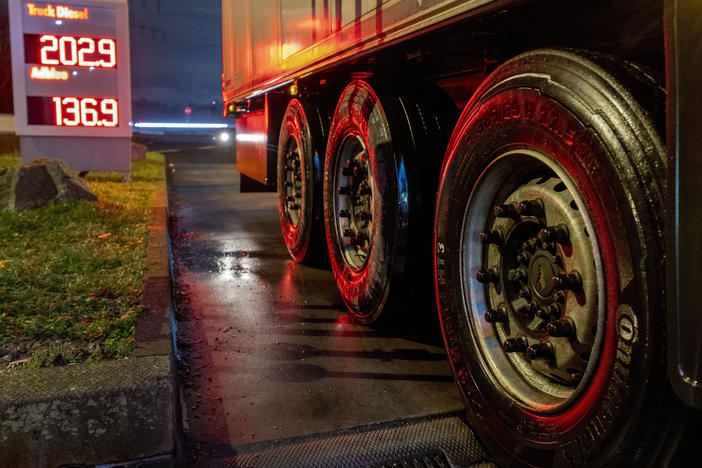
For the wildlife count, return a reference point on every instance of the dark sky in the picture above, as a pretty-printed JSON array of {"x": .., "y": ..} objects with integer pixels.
[{"x": 176, "y": 51}]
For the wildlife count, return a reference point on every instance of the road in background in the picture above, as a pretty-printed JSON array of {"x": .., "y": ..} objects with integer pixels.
[{"x": 270, "y": 358}]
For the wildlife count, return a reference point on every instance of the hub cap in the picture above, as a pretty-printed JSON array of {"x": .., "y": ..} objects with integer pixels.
[
  {"x": 532, "y": 281},
  {"x": 353, "y": 202},
  {"x": 292, "y": 183}
]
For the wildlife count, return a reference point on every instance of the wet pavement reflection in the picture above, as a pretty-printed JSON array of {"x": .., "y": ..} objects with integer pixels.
[{"x": 268, "y": 351}]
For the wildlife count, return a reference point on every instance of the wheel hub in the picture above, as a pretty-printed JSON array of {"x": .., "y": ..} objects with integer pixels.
[
  {"x": 353, "y": 189},
  {"x": 537, "y": 312},
  {"x": 292, "y": 183}
]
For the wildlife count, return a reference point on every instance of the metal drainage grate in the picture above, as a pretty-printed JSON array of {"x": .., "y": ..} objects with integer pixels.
[{"x": 439, "y": 442}]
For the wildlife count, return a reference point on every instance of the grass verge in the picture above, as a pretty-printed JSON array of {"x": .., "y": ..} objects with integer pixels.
[{"x": 71, "y": 272}]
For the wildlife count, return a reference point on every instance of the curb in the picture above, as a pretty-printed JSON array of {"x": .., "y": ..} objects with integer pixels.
[{"x": 107, "y": 412}]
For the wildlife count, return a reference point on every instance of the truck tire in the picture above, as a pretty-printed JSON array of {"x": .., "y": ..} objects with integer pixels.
[
  {"x": 300, "y": 159},
  {"x": 378, "y": 196},
  {"x": 548, "y": 264}
]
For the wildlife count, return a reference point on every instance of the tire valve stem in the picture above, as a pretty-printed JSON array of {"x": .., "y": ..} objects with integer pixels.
[
  {"x": 492, "y": 237},
  {"x": 571, "y": 281},
  {"x": 515, "y": 345},
  {"x": 561, "y": 328},
  {"x": 498, "y": 315},
  {"x": 540, "y": 351},
  {"x": 508, "y": 210},
  {"x": 487, "y": 275},
  {"x": 557, "y": 234},
  {"x": 531, "y": 208},
  {"x": 344, "y": 213},
  {"x": 516, "y": 275}
]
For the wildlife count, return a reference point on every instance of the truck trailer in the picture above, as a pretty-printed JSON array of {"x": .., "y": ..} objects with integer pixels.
[{"x": 525, "y": 169}]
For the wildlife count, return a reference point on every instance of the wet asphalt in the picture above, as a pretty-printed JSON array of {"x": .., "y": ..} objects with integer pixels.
[{"x": 267, "y": 350}]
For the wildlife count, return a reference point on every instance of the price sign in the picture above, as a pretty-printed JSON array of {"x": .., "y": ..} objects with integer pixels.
[{"x": 70, "y": 65}]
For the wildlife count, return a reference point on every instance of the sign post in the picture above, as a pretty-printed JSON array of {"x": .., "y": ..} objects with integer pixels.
[{"x": 71, "y": 82}]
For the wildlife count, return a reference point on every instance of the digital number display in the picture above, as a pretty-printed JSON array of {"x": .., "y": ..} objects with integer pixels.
[
  {"x": 70, "y": 51},
  {"x": 71, "y": 111},
  {"x": 72, "y": 59}
]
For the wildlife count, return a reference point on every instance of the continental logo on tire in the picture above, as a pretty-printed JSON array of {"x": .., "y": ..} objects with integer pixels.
[{"x": 585, "y": 444}]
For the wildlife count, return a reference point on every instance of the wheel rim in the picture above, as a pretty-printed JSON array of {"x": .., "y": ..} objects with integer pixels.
[
  {"x": 353, "y": 202},
  {"x": 533, "y": 281},
  {"x": 293, "y": 182}
]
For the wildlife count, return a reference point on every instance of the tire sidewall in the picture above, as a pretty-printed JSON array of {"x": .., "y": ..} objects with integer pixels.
[{"x": 533, "y": 112}]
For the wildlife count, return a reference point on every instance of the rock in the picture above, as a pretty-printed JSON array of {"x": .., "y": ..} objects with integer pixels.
[{"x": 38, "y": 183}]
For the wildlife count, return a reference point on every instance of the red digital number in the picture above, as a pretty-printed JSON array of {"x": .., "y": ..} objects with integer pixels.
[
  {"x": 86, "y": 112},
  {"x": 70, "y": 51}
]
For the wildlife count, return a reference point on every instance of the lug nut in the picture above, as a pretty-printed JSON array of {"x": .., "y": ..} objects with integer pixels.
[
  {"x": 571, "y": 281},
  {"x": 523, "y": 258},
  {"x": 559, "y": 297},
  {"x": 487, "y": 275},
  {"x": 506, "y": 211},
  {"x": 349, "y": 233},
  {"x": 540, "y": 351},
  {"x": 561, "y": 328},
  {"x": 554, "y": 234},
  {"x": 492, "y": 237},
  {"x": 516, "y": 274},
  {"x": 496, "y": 315},
  {"x": 515, "y": 345},
  {"x": 343, "y": 213},
  {"x": 525, "y": 293},
  {"x": 344, "y": 190},
  {"x": 531, "y": 208}
]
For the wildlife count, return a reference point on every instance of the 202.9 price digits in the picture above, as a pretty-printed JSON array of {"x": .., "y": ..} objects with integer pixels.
[{"x": 86, "y": 112}]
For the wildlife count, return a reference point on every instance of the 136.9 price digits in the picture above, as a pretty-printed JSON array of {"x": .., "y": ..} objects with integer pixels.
[{"x": 87, "y": 112}]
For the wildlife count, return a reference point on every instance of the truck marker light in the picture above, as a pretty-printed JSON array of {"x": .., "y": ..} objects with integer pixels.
[{"x": 251, "y": 137}]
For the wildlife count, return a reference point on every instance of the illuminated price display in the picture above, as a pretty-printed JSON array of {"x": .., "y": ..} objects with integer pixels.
[
  {"x": 70, "y": 111},
  {"x": 69, "y": 51},
  {"x": 72, "y": 67}
]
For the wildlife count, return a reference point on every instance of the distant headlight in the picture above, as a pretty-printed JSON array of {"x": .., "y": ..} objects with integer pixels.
[{"x": 224, "y": 137}]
